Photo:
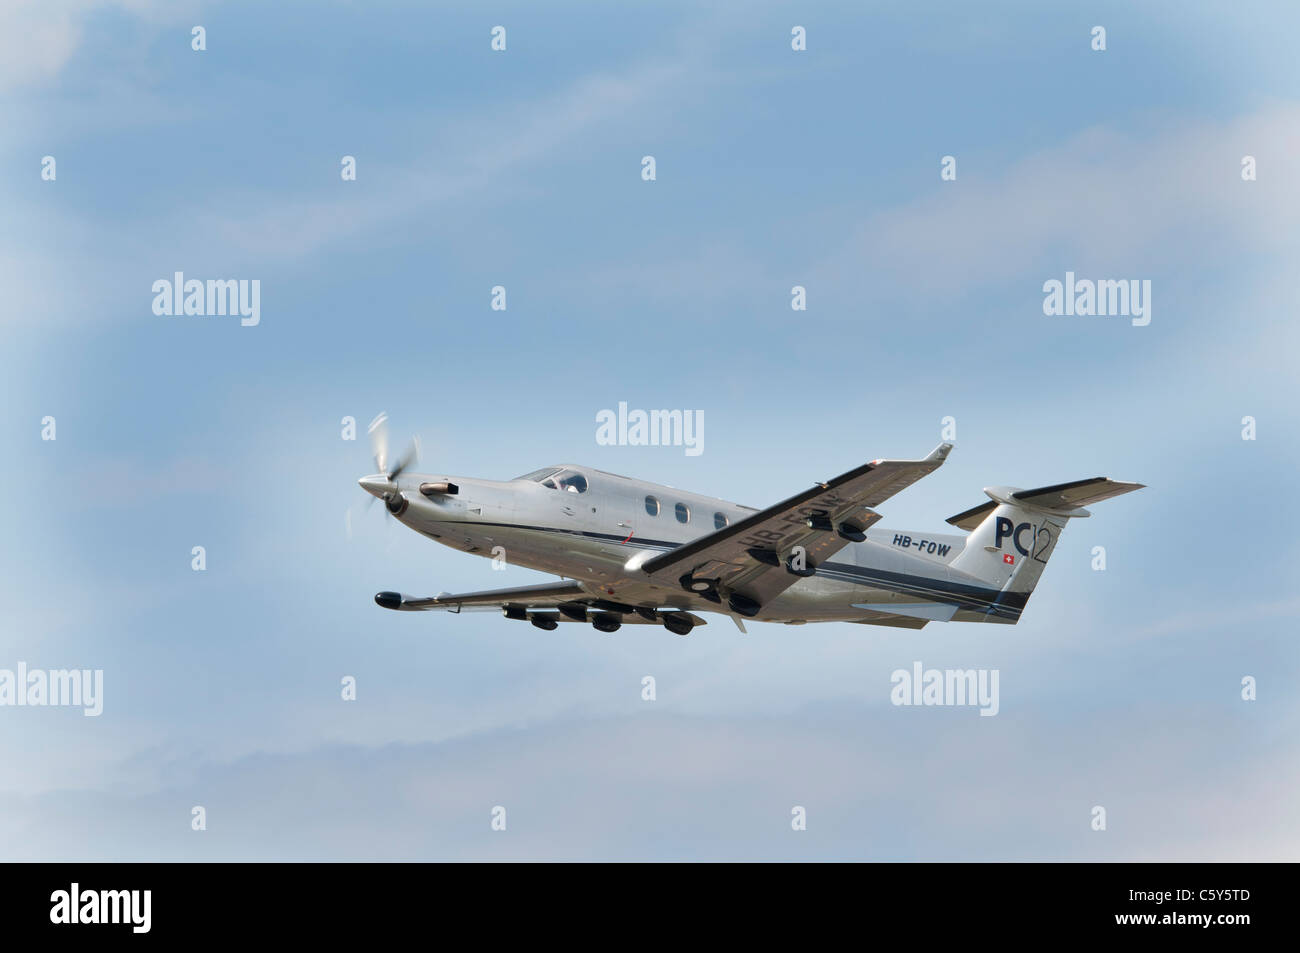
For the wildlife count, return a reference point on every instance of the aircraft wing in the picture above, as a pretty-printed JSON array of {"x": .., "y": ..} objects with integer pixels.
[
  {"x": 547, "y": 594},
  {"x": 757, "y": 558},
  {"x": 564, "y": 601}
]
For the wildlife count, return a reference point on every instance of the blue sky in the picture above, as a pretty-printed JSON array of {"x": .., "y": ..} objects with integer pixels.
[{"x": 522, "y": 168}]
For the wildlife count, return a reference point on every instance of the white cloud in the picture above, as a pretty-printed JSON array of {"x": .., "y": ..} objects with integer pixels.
[
  {"x": 1105, "y": 200},
  {"x": 892, "y": 784},
  {"x": 237, "y": 230},
  {"x": 470, "y": 157},
  {"x": 36, "y": 42},
  {"x": 38, "y": 38}
]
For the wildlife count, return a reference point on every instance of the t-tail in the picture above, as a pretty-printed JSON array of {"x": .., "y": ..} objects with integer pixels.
[{"x": 1014, "y": 534}]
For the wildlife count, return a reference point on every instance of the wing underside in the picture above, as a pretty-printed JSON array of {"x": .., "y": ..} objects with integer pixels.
[
  {"x": 751, "y": 562},
  {"x": 566, "y": 601}
]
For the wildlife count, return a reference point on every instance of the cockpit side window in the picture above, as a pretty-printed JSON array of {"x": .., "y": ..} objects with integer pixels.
[
  {"x": 569, "y": 480},
  {"x": 575, "y": 482}
]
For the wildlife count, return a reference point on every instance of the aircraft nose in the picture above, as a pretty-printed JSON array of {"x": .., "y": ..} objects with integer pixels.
[{"x": 375, "y": 485}]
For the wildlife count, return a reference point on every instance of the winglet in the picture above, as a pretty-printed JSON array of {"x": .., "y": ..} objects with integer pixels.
[{"x": 940, "y": 452}]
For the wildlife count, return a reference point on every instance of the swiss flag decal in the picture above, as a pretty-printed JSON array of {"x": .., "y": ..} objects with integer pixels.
[{"x": 1008, "y": 558}]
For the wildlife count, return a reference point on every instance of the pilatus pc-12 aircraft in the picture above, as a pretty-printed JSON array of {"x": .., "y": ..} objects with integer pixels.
[{"x": 637, "y": 552}]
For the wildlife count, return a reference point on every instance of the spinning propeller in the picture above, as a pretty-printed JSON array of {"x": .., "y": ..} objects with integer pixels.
[{"x": 383, "y": 483}]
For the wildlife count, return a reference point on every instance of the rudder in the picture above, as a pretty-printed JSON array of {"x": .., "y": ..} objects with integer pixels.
[{"x": 1014, "y": 535}]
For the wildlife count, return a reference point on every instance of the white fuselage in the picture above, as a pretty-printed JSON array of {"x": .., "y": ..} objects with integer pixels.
[{"x": 591, "y": 534}]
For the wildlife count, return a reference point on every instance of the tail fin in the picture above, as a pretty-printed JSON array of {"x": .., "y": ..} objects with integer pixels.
[{"x": 1014, "y": 534}]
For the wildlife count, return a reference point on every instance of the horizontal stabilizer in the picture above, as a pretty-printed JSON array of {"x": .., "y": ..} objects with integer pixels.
[
  {"x": 1064, "y": 496},
  {"x": 969, "y": 519},
  {"x": 1060, "y": 496},
  {"x": 930, "y": 611},
  {"x": 897, "y": 621}
]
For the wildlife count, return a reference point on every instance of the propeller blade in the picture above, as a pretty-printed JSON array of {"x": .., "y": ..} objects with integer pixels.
[
  {"x": 378, "y": 431},
  {"x": 412, "y": 455}
]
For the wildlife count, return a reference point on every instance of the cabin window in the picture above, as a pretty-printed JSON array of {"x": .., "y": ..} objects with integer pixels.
[
  {"x": 683, "y": 513},
  {"x": 720, "y": 521},
  {"x": 652, "y": 505}
]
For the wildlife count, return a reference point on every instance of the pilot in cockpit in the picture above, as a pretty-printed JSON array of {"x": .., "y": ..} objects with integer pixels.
[{"x": 569, "y": 480}]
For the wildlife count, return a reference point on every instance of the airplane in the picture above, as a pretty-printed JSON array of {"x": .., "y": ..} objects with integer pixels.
[{"x": 633, "y": 552}]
